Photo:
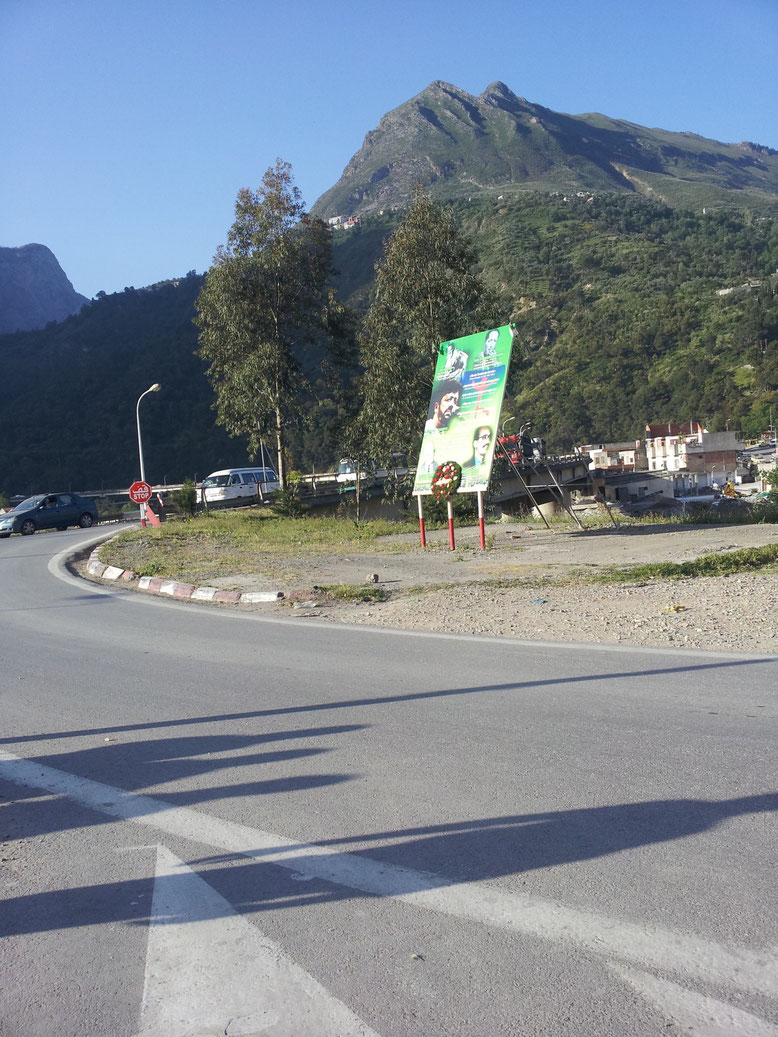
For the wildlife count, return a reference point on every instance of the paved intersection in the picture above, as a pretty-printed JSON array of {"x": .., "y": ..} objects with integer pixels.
[{"x": 224, "y": 825}]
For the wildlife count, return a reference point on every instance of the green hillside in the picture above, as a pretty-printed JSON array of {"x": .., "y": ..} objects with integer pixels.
[
  {"x": 616, "y": 303},
  {"x": 616, "y": 300},
  {"x": 619, "y": 314},
  {"x": 68, "y": 394}
]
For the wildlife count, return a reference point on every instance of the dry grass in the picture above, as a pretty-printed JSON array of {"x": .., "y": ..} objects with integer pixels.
[{"x": 210, "y": 547}]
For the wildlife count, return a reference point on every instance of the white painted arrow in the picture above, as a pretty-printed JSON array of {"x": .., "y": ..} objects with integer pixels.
[
  {"x": 635, "y": 946},
  {"x": 208, "y": 970}
]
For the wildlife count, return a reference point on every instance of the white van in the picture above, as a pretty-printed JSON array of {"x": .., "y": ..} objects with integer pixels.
[
  {"x": 347, "y": 471},
  {"x": 232, "y": 484}
]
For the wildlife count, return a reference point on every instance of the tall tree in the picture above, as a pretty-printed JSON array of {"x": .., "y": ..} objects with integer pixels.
[
  {"x": 426, "y": 291},
  {"x": 264, "y": 300}
]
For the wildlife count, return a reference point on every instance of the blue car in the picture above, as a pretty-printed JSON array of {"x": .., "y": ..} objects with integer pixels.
[{"x": 49, "y": 511}]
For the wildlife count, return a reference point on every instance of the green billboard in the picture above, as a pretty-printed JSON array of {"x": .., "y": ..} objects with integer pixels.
[{"x": 464, "y": 409}]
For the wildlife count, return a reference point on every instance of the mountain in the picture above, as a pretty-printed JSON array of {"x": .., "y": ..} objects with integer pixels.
[
  {"x": 627, "y": 309},
  {"x": 68, "y": 393},
  {"x": 460, "y": 146},
  {"x": 34, "y": 289}
]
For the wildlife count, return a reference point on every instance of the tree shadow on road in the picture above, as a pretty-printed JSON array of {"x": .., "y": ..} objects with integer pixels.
[
  {"x": 393, "y": 863},
  {"x": 384, "y": 700},
  {"x": 207, "y": 767}
]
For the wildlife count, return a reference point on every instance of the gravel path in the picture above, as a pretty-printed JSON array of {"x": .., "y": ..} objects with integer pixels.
[{"x": 459, "y": 591}]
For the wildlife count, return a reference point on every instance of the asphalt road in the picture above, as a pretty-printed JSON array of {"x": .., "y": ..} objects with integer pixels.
[{"x": 215, "y": 823}]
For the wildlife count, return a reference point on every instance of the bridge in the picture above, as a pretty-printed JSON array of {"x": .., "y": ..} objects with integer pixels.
[{"x": 545, "y": 483}]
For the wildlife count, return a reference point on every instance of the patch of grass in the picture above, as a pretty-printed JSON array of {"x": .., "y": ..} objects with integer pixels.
[
  {"x": 214, "y": 545},
  {"x": 747, "y": 559},
  {"x": 497, "y": 583},
  {"x": 354, "y": 592},
  {"x": 737, "y": 515}
]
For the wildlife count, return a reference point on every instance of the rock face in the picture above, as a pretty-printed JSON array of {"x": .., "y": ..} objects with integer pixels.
[
  {"x": 457, "y": 145},
  {"x": 34, "y": 289}
]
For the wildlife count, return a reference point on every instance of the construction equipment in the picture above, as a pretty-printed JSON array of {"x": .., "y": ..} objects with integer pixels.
[{"x": 730, "y": 491}]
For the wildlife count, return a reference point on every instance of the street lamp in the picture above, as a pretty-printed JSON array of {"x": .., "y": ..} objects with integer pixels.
[{"x": 153, "y": 388}]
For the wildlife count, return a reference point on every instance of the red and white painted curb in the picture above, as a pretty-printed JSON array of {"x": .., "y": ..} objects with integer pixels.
[{"x": 174, "y": 589}]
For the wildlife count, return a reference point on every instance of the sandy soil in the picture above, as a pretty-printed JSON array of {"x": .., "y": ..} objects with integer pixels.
[{"x": 459, "y": 591}]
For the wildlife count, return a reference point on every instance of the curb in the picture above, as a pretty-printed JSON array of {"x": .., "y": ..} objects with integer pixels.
[{"x": 174, "y": 589}]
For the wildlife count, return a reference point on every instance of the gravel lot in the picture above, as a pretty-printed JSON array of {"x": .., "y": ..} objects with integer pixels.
[{"x": 459, "y": 591}]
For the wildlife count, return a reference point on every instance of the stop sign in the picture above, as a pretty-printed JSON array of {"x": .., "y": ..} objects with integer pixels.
[{"x": 140, "y": 492}]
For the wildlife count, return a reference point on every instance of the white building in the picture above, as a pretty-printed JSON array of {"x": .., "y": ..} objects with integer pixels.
[
  {"x": 626, "y": 456},
  {"x": 690, "y": 448}
]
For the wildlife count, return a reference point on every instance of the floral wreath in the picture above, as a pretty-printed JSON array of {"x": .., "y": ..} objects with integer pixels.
[{"x": 446, "y": 480}]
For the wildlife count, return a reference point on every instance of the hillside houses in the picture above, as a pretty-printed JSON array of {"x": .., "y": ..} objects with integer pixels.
[
  {"x": 629, "y": 456},
  {"x": 674, "y": 459},
  {"x": 344, "y": 222},
  {"x": 689, "y": 449}
]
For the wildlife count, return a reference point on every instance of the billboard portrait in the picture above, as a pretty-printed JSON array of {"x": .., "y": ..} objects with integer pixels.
[{"x": 464, "y": 409}]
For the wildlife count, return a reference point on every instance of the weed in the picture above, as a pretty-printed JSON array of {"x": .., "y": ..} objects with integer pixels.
[
  {"x": 354, "y": 592},
  {"x": 748, "y": 558},
  {"x": 185, "y": 500},
  {"x": 288, "y": 504}
]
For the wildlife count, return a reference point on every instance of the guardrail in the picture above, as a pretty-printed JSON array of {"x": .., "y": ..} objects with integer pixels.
[{"x": 328, "y": 483}]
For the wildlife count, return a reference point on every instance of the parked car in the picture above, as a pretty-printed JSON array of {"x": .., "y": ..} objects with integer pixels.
[
  {"x": 234, "y": 484},
  {"x": 49, "y": 511}
]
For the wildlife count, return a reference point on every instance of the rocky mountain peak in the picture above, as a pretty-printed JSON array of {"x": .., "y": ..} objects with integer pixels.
[
  {"x": 499, "y": 89},
  {"x": 457, "y": 145},
  {"x": 34, "y": 289}
]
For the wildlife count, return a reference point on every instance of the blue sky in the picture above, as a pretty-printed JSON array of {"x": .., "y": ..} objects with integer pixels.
[{"x": 128, "y": 126}]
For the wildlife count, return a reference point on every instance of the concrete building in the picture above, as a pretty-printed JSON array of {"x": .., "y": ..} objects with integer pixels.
[
  {"x": 627, "y": 487},
  {"x": 690, "y": 448},
  {"x": 629, "y": 456}
]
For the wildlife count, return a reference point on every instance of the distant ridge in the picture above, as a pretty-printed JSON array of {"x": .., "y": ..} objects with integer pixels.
[
  {"x": 456, "y": 145},
  {"x": 34, "y": 289}
]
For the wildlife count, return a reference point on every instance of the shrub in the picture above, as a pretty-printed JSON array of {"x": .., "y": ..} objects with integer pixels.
[
  {"x": 185, "y": 499},
  {"x": 288, "y": 504}
]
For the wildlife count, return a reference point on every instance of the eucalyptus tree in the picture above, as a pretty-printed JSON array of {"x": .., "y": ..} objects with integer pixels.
[
  {"x": 264, "y": 300},
  {"x": 426, "y": 291}
]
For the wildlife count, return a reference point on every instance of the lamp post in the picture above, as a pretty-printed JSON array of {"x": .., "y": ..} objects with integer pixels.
[{"x": 153, "y": 388}]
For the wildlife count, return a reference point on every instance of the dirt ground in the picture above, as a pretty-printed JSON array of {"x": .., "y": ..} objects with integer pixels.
[{"x": 459, "y": 591}]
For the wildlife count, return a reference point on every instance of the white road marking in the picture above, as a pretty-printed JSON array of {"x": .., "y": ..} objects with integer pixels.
[
  {"x": 626, "y": 942},
  {"x": 208, "y": 970},
  {"x": 696, "y": 1013}
]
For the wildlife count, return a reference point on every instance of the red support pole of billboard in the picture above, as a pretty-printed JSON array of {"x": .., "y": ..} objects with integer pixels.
[
  {"x": 421, "y": 523},
  {"x": 481, "y": 519},
  {"x": 450, "y": 524}
]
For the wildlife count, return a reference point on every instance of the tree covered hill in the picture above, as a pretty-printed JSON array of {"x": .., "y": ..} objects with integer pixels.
[
  {"x": 460, "y": 146},
  {"x": 631, "y": 312},
  {"x": 627, "y": 311},
  {"x": 68, "y": 394}
]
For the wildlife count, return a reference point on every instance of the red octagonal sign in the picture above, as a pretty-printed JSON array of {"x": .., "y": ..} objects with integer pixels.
[{"x": 140, "y": 492}]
